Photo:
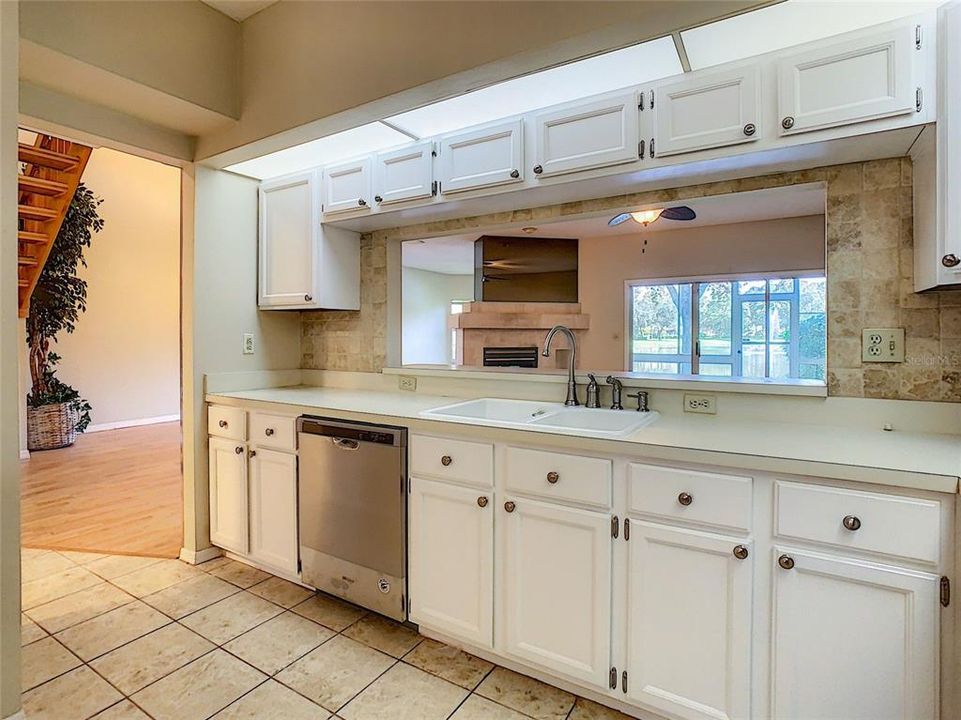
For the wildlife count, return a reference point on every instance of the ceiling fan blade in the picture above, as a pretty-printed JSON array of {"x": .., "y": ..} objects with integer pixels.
[
  {"x": 618, "y": 219},
  {"x": 679, "y": 212}
]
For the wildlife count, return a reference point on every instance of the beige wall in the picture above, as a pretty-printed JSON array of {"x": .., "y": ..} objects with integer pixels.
[
  {"x": 220, "y": 305},
  {"x": 304, "y": 61},
  {"x": 124, "y": 355},
  {"x": 869, "y": 257},
  {"x": 426, "y": 298},
  {"x": 9, "y": 391},
  {"x": 606, "y": 263}
]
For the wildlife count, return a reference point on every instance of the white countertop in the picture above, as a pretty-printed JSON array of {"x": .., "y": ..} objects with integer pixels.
[{"x": 925, "y": 461}]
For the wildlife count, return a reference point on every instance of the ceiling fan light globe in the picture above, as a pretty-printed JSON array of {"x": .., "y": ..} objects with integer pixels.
[{"x": 646, "y": 217}]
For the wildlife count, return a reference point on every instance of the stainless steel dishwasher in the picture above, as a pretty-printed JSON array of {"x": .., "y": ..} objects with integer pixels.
[{"x": 353, "y": 512}]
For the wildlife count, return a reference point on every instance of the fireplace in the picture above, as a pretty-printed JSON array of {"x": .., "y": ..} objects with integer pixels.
[{"x": 522, "y": 357}]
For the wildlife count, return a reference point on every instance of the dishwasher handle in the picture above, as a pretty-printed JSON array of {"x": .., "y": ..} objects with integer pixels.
[{"x": 345, "y": 443}]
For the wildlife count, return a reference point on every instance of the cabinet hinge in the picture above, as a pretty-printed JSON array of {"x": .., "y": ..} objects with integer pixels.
[
  {"x": 434, "y": 186},
  {"x": 615, "y": 524},
  {"x": 652, "y": 99},
  {"x": 918, "y": 99},
  {"x": 300, "y": 566},
  {"x": 640, "y": 102},
  {"x": 613, "y": 680},
  {"x": 624, "y": 681},
  {"x": 627, "y": 529},
  {"x": 408, "y": 485},
  {"x": 917, "y": 36},
  {"x": 945, "y": 591},
  {"x": 408, "y": 604},
  {"x": 640, "y": 149},
  {"x": 652, "y": 147}
]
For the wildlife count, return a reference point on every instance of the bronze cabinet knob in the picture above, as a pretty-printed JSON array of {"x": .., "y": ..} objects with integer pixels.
[
  {"x": 446, "y": 460},
  {"x": 268, "y": 432},
  {"x": 515, "y": 174},
  {"x": 851, "y": 522},
  {"x": 238, "y": 449},
  {"x": 538, "y": 169},
  {"x": 378, "y": 198},
  {"x": 553, "y": 477},
  {"x": 787, "y": 123},
  {"x": 950, "y": 260},
  {"x": 509, "y": 506},
  {"x": 482, "y": 501},
  {"x": 741, "y": 552},
  {"x": 786, "y": 562},
  {"x": 362, "y": 202},
  {"x": 308, "y": 298},
  {"x": 750, "y": 129},
  {"x": 685, "y": 499},
  {"x": 222, "y": 423},
  {"x": 252, "y": 453}
]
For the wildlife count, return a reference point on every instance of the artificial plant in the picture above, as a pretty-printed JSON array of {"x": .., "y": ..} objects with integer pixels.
[{"x": 57, "y": 301}]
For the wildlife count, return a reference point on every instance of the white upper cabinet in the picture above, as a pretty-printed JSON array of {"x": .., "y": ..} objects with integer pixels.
[
  {"x": 708, "y": 111},
  {"x": 347, "y": 186},
  {"x": 852, "y": 640},
  {"x": 289, "y": 223},
  {"x": 555, "y": 575},
  {"x": 404, "y": 174},
  {"x": 452, "y": 559},
  {"x": 303, "y": 264},
  {"x": 587, "y": 135},
  {"x": 860, "y": 79},
  {"x": 482, "y": 158},
  {"x": 689, "y": 622}
]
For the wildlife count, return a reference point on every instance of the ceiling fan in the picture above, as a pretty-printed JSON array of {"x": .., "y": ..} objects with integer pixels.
[{"x": 646, "y": 217}]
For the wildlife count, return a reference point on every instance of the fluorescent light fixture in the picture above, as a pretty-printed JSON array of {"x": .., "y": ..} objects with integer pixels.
[
  {"x": 789, "y": 23},
  {"x": 344, "y": 145},
  {"x": 611, "y": 71}
]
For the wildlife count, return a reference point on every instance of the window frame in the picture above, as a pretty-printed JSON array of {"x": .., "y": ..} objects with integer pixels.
[{"x": 735, "y": 360}]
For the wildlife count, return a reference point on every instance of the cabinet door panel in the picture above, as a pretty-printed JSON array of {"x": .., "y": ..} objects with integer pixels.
[
  {"x": 273, "y": 509},
  {"x": 347, "y": 186},
  {"x": 556, "y": 579},
  {"x": 451, "y": 559},
  {"x": 689, "y": 622},
  {"x": 712, "y": 110},
  {"x": 289, "y": 222},
  {"x": 404, "y": 174},
  {"x": 589, "y": 135},
  {"x": 228, "y": 494},
  {"x": 482, "y": 158},
  {"x": 849, "y": 82},
  {"x": 853, "y": 640}
]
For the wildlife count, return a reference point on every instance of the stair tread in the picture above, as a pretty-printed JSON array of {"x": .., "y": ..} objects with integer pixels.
[
  {"x": 26, "y": 261},
  {"x": 34, "y": 212},
  {"x": 40, "y": 186},
  {"x": 33, "y": 238},
  {"x": 23, "y": 282},
  {"x": 46, "y": 158}
]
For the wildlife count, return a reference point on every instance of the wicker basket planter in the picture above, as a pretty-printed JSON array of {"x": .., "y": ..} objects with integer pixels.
[{"x": 51, "y": 426}]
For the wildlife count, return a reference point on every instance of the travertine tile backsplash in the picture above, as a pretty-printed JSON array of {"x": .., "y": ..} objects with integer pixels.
[{"x": 870, "y": 262}]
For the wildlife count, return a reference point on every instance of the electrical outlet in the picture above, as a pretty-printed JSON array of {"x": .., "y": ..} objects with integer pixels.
[
  {"x": 406, "y": 382},
  {"x": 248, "y": 343},
  {"x": 882, "y": 345},
  {"x": 706, "y": 404}
]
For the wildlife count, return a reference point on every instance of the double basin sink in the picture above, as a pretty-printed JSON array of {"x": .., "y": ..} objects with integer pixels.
[{"x": 528, "y": 414}]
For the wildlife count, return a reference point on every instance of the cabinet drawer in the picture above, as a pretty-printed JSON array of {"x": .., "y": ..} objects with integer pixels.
[
  {"x": 556, "y": 476},
  {"x": 273, "y": 431},
  {"x": 690, "y": 496},
  {"x": 227, "y": 422},
  {"x": 458, "y": 460},
  {"x": 892, "y": 525}
]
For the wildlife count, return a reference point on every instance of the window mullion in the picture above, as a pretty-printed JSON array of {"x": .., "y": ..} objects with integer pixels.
[
  {"x": 695, "y": 328},
  {"x": 767, "y": 328}
]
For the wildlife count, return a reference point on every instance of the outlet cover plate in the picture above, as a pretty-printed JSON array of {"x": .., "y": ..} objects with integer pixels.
[
  {"x": 407, "y": 382},
  {"x": 248, "y": 343},
  {"x": 882, "y": 345},
  {"x": 705, "y": 404}
]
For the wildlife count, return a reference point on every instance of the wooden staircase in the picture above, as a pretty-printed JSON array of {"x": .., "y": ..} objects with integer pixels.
[{"x": 50, "y": 172}]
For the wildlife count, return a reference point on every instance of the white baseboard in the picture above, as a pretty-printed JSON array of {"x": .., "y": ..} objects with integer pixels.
[
  {"x": 16, "y": 716},
  {"x": 24, "y": 454},
  {"x": 137, "y": 422},
  {"x": 195, "y": 557}
]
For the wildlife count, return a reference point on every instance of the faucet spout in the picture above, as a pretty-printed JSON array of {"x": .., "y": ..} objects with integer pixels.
[{"x": 571, "y": 385}]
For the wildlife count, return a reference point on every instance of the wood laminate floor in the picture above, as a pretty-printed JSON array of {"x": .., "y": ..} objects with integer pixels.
[{"x": 118, "y": 492}]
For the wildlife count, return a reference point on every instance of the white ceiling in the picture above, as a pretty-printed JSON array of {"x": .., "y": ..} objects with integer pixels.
[
  {"x": 454, "y": 254},
  {"x": 239, "y": 10}
]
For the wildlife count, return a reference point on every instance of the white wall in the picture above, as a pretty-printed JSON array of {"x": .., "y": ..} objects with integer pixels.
[
  {"x": 605, "y": 263},
  {"x": 426, "y": 304},
  {"x": 124, "y": 356}
]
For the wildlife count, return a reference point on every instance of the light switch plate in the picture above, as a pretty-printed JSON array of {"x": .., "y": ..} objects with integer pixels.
[
  {"x": 882, "y": 345},
  {"x": 706, "y": 404},
  {"x": 248, "y": 343}
]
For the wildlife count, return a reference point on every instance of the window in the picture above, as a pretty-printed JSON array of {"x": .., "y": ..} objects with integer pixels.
[{"x": 759, "y": 327}]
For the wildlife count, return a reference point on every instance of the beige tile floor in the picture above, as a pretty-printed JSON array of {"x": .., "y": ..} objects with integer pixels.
[{"x": 128, "y": 638}]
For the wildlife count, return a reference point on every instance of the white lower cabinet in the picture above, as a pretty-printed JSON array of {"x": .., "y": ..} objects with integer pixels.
[
  {"x": 273, "y": 502},
  {"x": 227, "y": 478},
  {"x": 452, "y": 559},
  {"x": 689, "y": 622},
  {"x": 852, "y": 640},
  {"x": 555, "y": 572}
]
